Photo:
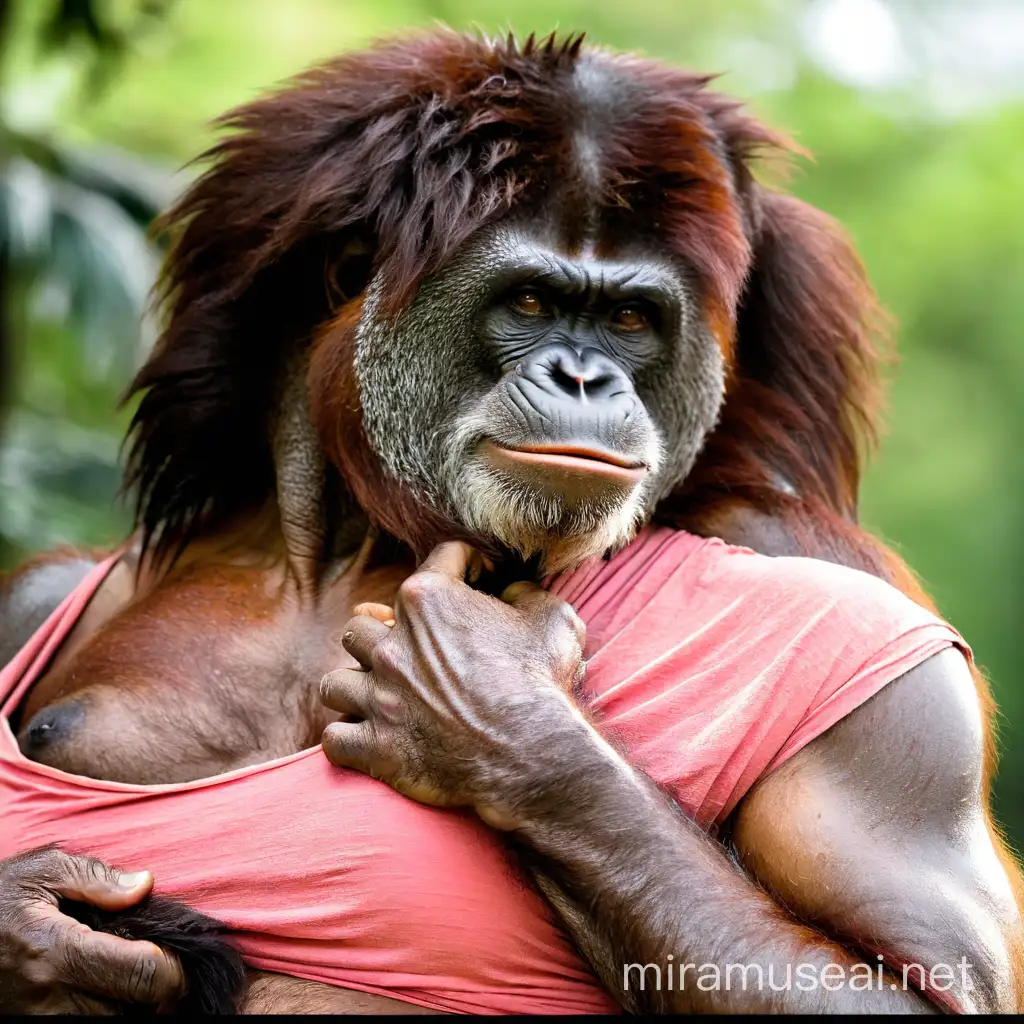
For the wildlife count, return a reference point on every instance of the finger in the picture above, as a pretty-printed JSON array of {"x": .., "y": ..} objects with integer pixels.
[
  {"x": 381, "y": 612},
  {"x": 356, "y": 745},
  {"x": 537, "y": 603},
  {"x": 456, "y": 560},
  {"x": 109, "y": 966},
  {"x": 347, "y": 690},
  {"x": 361, "y": 636},
  {"x": 89, "y": 880}
]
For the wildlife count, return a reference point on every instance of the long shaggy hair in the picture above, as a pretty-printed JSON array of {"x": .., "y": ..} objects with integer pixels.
[{"x": 401, "y": 152}]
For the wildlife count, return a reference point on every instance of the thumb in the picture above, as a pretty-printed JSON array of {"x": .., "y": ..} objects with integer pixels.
[{"x": 91, "y": 881}]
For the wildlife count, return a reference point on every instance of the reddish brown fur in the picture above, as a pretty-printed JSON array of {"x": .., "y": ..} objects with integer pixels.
[
  {"x": 336, "y": 410},
  {"x": 409, "y": 148}
]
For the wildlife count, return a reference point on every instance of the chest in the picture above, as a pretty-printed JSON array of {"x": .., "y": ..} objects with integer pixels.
[{"x": 214, "y": 670}]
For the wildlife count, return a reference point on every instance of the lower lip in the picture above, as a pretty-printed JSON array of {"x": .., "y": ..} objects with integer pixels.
[{"x": 565, "y": 462}]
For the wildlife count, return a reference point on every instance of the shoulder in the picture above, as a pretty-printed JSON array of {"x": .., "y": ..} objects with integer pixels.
[
  {"x": 848, "y": 631},
  {"x": 31, "y": 592},
  {"x": 898, "y": 783},
  {"x": 924, "y": 730},
  {"x": 793, "y": 587},
  {"x": 829, "y": 623},
  {"x": 670, "y": 591},
  {"x": 926, "y": 727}
]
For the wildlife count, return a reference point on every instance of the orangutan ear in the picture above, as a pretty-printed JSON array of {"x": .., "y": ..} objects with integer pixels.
[{"x": 806, "y": 333}]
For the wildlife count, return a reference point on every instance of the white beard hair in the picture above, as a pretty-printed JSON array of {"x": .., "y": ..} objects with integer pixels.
[{"x": 495, "y": 505}]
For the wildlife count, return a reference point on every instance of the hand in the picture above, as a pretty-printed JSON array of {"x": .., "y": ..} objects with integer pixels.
[
  {"x": 51, "y": 963},
  {"x": 464, "y": 700}
]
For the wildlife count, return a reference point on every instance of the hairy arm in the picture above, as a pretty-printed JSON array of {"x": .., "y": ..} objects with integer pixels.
[{"x": 871, "y": 841}]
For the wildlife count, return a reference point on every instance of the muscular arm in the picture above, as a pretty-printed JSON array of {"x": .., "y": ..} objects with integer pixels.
[{"x": 872, "y": 840}]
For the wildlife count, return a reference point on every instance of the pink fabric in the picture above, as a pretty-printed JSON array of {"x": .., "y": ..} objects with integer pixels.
[{"x": 710, "y": 663}]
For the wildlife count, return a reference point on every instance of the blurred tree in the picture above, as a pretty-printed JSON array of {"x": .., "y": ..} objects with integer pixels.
[{"x": 73, "y": 253}]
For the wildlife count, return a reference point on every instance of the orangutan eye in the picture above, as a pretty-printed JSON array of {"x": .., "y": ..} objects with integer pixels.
[
  {"x": 630, "y": 318},
  {"x": 530, "y": 302}
]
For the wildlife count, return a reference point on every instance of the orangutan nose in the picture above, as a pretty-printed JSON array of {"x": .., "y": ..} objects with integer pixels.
[{"x": 566, "y": 377}]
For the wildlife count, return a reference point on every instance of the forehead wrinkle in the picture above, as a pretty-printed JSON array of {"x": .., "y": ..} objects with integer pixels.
[
  {"x": 594, "y": 278},
  {"x": 516, "y": 250}
]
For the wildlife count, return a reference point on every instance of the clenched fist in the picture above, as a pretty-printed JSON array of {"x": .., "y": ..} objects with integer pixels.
[
  {"x": 51, "y": 963},
  {"x": 463, "y": 699}
]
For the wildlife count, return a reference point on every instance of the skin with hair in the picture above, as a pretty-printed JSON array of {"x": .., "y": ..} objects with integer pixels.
[{"x": 451, "y": 302}]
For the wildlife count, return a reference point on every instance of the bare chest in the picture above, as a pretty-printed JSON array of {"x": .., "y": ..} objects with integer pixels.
[{"x": 215, "y": 670}]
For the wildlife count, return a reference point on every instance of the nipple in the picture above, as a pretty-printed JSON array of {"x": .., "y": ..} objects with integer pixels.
[{"x": 49, "y": 726}]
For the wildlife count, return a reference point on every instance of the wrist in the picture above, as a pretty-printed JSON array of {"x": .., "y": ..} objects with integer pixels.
[{"x": 565, "y": 781}]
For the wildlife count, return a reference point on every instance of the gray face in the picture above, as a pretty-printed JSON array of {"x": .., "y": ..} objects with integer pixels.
[{"x": 543, "y": 400}]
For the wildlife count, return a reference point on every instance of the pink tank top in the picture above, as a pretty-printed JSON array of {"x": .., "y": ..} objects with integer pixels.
[{"x": 710, "y": 663}]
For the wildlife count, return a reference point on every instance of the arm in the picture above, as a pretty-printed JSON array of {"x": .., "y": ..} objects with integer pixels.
[{"x": 872, "y": 839}]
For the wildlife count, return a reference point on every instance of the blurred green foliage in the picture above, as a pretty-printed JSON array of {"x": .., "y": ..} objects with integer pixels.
[{"x": 932, "y": 192}]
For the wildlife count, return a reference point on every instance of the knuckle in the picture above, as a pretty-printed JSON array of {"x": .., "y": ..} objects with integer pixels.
[
  {"x": 40, "y": 972},
  {"x": 96, "y": 871},
  {"x": 418, "y": 588},
  {"x": 36, "y": 949},
  {"x": 67, "y": 950},
  {"x": 389, "y": 704},
  {"x": 411, "y": 590},
  {"x": 141, "y": 984},
  {"x": 386, "y": 660}
]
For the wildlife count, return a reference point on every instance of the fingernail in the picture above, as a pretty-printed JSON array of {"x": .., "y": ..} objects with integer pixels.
[{"x": 132, "y": 880}]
